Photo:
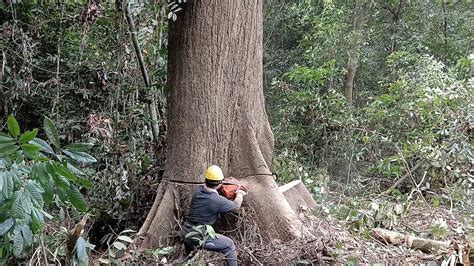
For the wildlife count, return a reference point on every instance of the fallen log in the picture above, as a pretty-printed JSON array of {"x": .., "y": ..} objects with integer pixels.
[
  {"x": 298, "y": 196},
  {"x": 417, "y": 243}
]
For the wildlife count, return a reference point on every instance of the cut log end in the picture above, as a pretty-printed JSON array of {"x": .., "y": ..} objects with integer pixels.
[{"x": 298, "y": 196}]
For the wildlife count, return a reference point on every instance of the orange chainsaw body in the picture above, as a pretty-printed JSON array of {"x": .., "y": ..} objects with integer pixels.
[{"x": 229, "y": 188}]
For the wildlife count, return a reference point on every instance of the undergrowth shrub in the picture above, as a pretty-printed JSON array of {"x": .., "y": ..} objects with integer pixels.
[
  {"x": 423, "y": 117},
  {"x": 35, "y": 176}
]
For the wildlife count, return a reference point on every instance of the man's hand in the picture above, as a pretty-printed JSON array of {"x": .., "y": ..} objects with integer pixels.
[
  {"x": 243, "y": 192},
  {"x": 239, "y": 197}
]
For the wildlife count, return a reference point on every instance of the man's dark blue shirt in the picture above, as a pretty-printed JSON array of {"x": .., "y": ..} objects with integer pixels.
[{"x": 206, "y": 206}]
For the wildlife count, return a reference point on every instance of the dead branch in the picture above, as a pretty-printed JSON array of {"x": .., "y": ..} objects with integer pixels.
[{"x": 399, "y": 181}]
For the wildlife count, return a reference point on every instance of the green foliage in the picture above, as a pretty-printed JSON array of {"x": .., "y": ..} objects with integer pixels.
[
  {"x": 422, "y": 117},
  {"x": 201, "y": 233},
  {"x": 424, "y": 114},
  {"x": 32, "y": 176},
  {"x": 117, "y": 246},
  {"x": 308, "y": 76},
  {"x": 78, "y": 68}
]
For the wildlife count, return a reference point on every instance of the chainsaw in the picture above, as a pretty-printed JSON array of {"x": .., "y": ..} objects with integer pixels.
[{"x": 229, "y": 188}]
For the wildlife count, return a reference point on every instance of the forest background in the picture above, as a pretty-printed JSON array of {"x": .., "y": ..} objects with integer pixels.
[{"x": 359, "y": 94}]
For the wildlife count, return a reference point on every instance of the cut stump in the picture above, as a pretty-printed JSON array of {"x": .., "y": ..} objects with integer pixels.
[{"x": 298, "y": 196}]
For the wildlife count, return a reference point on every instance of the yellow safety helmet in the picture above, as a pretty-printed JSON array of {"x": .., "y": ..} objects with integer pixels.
[{"x": 214, "y": 173}]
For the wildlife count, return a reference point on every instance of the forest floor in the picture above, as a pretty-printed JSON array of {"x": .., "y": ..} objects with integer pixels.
[
  {"x": 340, "y": 230},
  {"x": 338, "y": 241},
  {"x": 348, "y": 240}
]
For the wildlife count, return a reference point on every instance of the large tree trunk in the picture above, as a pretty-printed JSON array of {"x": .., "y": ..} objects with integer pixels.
[
  {"x": 217, "y": 116},
  {"x": 353, "y": 61}
]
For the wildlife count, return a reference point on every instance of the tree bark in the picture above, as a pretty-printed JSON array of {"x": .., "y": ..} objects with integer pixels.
[
  {"x": 217, "y": 116},
  {"x": 354, "y": 52}
]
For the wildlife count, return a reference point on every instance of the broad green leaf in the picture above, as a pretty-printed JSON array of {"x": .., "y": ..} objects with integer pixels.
[
  {"x": 50, "y": 169},
  {"x": 7, "y": 146},
  {"x": 119, "y": 245},
  {"x": 58, "y": 179},
  {"x": 31, "y": 147},
  {"x": 31, "y": 150},
  {"x": 26, "y": 203},
  {"x": 28, "y": 135},
  {"x": 36, "y": 193},
  {"x": 6, "y": 225},
  {"x": 9, "y": 151},
  {"x": 76, "y": 198},
  {"x": 19, "y": 157},
  {"x": 6, "y": 139},
  {"x": 81, "y": 147},
  {"x": 80, "y": 157},
  {"x": 24, "y": 169},
  {"x": 27, "y": 235},
  {"x": 81, "y": 250},
  {"x": 17, "y": 242},
  {"x": 17, "y": 210},
  {"x": 7, "y": 185},
  {"x": 61, "y": 181},
  {"x": 210, "y": 231},
  {"x": 43, "y": 144},
  {"x": 41, "y": 175},
  {"x": 85, "y": 182},
  {"x": 75, "y": 170},
  {"x": 13, "y": 126},
  {"x": 62, "y": 194},
  {"x": 51, "y": 132},
  {"x": 16, "y": 174},
  {"x": 126, "y": 239},
  {"x": 37, "y": 220},
  {"x": 38, "y": 172},
  {"x": 164, "y": 251},
  {"x": 62, "y": 170}
]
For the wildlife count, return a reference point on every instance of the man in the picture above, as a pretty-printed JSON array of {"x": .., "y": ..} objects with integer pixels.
[{"x": 206, "y": 206}]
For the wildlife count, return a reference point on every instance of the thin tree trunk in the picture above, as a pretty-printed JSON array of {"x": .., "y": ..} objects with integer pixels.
[
  {"x": 146, "y": 78},
  {"x": 3, "y": 103},
  {"x": 217, "y": 116},
  {"x": 397, "y": 14},
  {"x": 445, "y": 30},
  {"x": 354, "y": 53}
]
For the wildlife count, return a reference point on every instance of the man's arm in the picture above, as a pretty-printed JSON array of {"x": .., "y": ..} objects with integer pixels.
[{"x": 239, "y": 198}]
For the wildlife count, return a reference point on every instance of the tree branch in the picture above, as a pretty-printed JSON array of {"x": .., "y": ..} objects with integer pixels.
[{"x": 399, "y": 181}]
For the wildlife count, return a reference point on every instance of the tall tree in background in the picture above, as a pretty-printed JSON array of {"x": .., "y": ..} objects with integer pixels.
[
  {"x": 217, "y": 116},
  {"x": 445, "y": 29},
  {"x": 354, "y": 52},
  {"x": 396, "y": 9}
]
